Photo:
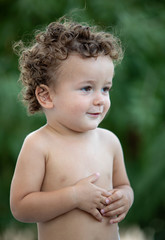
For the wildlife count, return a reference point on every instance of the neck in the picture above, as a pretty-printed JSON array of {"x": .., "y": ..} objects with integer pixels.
[{"x": 63, "y": 131}]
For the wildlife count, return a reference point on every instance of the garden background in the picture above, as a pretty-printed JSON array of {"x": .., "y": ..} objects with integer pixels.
[{"x": 137, "y": 114}]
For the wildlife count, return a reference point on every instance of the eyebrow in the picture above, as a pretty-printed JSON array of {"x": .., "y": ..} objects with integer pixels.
[
  {"x": 93, "y": 80},
  {"x": 110, "y": 83}
]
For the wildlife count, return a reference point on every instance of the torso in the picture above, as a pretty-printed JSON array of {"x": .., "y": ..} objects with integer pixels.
[{"x": 68, "y": 161}]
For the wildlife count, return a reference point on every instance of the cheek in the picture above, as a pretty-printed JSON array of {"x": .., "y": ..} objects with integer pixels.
[
  {"x": 107, "y": 104},
  {"x": 78, "y": 108},
  {"x": 80, "y": 104}
]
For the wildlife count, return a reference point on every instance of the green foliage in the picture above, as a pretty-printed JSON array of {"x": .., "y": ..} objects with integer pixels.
[{"x": 138, "y": 100}]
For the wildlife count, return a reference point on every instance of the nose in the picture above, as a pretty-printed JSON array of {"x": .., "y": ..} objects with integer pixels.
[{"x": 99, "y": 99}]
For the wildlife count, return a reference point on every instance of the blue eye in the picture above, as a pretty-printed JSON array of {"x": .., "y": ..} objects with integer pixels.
[{"x": 86, "y": 89}]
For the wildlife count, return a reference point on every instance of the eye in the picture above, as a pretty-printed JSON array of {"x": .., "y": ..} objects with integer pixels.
[
  {"x": 106, "y": 89},
  {"x": 86, "y": 89}
]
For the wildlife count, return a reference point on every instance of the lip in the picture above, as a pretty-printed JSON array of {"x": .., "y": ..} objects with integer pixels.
[{"x": 94, "y": 114}]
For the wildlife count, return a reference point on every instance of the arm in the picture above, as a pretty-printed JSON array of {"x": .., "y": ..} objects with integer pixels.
[
  {"x": 122, "y": 196},
  {"x": 29, "y": 204}
]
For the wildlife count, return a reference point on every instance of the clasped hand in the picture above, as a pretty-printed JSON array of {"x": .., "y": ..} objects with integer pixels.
[
  {"x": 100, "y": 202},
  {"x": 117, "y": 206}
]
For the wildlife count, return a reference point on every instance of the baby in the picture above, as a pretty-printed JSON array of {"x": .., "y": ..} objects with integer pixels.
[{"x": 70, "y": 177}]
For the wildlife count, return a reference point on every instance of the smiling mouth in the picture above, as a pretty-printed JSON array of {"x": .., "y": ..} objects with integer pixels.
[{"x": 94, "y": 114}]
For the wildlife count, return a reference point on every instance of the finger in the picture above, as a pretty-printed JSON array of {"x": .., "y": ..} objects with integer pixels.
[
  {"x": 116, "y": 196},
  {"x": 113, "y": 213},
  {"x": 117, "y": 219},
  {"x": 106, "y": 193},
  {"x": 100, "y": 206},
  {"x": 113, "y": 206},
  {"x": 112, "y": 191},
  {"x": 94, "y": 177},
  {"x": 96, "y": 214},
  {"x": 104, "y": 201}
]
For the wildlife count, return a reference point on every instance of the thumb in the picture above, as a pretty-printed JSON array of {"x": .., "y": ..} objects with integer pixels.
[{"x": 94, "y": 177}]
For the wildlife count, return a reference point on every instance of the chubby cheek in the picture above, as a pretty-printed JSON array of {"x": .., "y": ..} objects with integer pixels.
[
  {"x": 78, "y": 109},
  {"x": 79, "y": 105},
  {"x": 107, "y": 106}
]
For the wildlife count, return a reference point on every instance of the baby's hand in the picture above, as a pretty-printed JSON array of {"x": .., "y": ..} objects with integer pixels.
[
  {"x": 89, "y": 197},
  {"x": 118, "y": 206}
]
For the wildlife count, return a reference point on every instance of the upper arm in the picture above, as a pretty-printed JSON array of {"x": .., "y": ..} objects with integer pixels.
[
  {"x": 30, "y": 169},
  {"x": 119, "y": 171}
]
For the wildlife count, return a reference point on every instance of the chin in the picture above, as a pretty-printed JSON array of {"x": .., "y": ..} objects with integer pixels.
[
  {"x": 84, "y": 127},
  {"x": 90, "y": 128}
]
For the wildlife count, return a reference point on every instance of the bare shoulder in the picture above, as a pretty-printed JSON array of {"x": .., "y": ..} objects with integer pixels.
[
  {"x": 30, "y": 167},
  {"x": 39, "y": 133},
  {"x": 34, "y": 152},
  {"x": 36, "y": 139},
  {"x": 110, "y": 140},
  {"x": 108, "y": 136}
]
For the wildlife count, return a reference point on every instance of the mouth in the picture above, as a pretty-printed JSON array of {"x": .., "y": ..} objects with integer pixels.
[{"x": 94, "y": 114}]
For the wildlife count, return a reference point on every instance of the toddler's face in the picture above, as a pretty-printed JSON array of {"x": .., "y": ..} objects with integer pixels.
[{"x": 81, "y": 98}]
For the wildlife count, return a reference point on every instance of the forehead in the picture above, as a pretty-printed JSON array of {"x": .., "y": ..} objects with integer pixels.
[{"x": 77, "y": 67}]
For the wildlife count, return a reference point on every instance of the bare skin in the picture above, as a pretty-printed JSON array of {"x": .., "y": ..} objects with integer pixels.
[{"x": 70, "y": 178}]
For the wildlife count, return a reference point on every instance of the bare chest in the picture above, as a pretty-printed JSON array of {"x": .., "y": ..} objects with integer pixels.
[{"x": 69, "y": 163}]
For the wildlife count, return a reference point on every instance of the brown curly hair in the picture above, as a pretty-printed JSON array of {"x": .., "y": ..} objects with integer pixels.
[{"x": 52, "y": 46}]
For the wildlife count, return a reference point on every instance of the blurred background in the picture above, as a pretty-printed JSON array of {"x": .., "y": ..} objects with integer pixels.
[{"x": 137, "y": 114}]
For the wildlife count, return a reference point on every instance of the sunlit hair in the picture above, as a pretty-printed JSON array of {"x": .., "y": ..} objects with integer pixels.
[{"x": 53, "y": 46}]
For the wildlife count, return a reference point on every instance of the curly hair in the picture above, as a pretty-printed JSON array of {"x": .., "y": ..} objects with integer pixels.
[{"x": 54, "y": 45}]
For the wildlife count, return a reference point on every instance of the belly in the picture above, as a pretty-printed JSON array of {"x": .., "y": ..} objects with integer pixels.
[{"x": 77, "y": 225}]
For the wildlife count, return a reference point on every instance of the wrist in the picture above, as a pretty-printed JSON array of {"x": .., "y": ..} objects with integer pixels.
[
  {"x": 128, "y": 192},
  {"x": 129, "y": 195}
]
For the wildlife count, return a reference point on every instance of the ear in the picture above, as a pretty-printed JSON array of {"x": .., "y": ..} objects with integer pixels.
[{"x": 43, "y": 96}]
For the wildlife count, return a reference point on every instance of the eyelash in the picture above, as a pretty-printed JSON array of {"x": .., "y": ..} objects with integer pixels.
[
  {"x": 89, "y": 88},
  {"x": 106, "y": 89},
  {"x": 86, "y": 89}
]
